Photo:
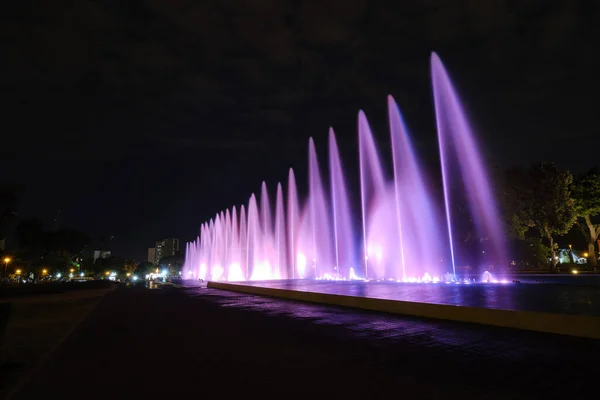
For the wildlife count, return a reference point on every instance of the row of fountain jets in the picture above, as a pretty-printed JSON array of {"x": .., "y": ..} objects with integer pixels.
[{"x": 406, "y": 235}]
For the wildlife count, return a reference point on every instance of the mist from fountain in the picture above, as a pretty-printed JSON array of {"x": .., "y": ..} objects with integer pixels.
[{"x": 402, "y": 238}]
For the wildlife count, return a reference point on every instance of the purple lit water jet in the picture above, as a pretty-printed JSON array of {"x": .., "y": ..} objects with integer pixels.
[
  {"x": 320, "y": 214},
  {"x": 462, "y": 165},
  {"x": 403, "y": 238},
  {"x": 373, "y": 195},
  {"x": 345, "y": 254},
  {"x": 293, "y": 214}
]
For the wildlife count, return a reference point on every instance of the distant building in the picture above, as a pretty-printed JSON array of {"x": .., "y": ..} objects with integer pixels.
[
  {"x": 170, "y": 247},
  {"x": 151, "y": 255},
  {"x": 165, "y": 248},
  {"x": 103, "y": 254}
]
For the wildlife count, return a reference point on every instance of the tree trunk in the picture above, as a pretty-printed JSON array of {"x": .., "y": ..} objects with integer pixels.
[
  {"x": 552, "y": 249},
  {"x": 593, "y": 236}
]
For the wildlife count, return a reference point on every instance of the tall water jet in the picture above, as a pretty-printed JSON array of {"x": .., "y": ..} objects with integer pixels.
[
  {"x": 319, "y": 217},
  {"x": 253, "y": 254},
  {"x": 217, "y": 251},
  {"x": 243, "y": 242},
  {"x": 342, "y": 223},
  {"x": 459, "y": 153},
  {"x": 235, "y": 271},
  {"x": 372, "y": 191},
  {"x": 266, "y": 226},
  {"x": 228, "y": 239},
  {"x": 415, "y": 209},
  {"x": 293, "y": 214},
  {"x": 280, "y": 237}
]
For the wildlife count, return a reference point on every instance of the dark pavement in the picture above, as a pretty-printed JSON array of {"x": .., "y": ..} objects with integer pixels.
[{"x": 171, "y": 343}]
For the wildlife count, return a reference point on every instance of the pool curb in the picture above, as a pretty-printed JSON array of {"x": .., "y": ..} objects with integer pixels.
[{"x": 562, "y": 324}]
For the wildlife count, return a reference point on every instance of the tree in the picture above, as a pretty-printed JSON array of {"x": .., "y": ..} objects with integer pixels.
[
  {"x": 144, "y": 268},
  {"x": 586, "y": 193},
  {"x": 130, "y": 266},
  {"x": 539, "y": 201}
]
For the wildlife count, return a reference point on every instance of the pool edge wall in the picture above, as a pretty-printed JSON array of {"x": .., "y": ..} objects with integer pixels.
[{"x": 562, "y": 324}]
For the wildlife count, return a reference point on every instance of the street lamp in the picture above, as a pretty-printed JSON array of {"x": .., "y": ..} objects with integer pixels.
[{"x": 6, "y": 261}]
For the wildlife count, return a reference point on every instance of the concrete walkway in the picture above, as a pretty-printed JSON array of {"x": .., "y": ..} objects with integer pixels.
[{"x": 171, "y": 343}]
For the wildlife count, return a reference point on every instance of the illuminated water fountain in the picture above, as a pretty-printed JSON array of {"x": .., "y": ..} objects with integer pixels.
[{"x": 407, "y": 225}]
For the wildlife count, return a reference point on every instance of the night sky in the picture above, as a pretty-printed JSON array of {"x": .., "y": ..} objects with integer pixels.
[{"x": 142, "y": 119}]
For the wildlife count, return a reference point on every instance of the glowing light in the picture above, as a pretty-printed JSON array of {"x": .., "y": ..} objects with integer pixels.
[
  {"x": 217, "y": 272},
  {"x": 18, "y": 272},
  {"x": 262, "y": 271},
  {"x": 352, "y": 275},
  {"x": 235, "y": 273},
  {"x": 301, "y": 264},
  {"x": 575, "y": 271}
]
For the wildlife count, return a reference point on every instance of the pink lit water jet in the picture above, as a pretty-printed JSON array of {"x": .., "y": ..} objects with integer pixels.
[
  {"x": 345, "y": 253},
  {"x": 403, "y": 238}
]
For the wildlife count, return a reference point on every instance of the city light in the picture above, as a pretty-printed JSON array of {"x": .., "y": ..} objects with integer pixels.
[
  {"x": 7, "y": 260},
  {"x": 44, "y": 271},
  {"x": 585, "y": 254},
  {"x": 18, "y": 272}
]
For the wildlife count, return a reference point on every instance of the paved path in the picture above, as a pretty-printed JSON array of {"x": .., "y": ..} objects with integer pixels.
[{"x": 173, "y": 343}]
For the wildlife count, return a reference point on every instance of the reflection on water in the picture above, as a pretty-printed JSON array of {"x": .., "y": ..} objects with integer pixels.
[{"x": 551, "y": 298}]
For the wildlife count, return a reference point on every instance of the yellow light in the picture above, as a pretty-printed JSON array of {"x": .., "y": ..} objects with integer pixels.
[
  {"x": 7, "y": 260},
  {"x": 575, "y": 271},
  {"x": 585, "y": 254},
  {"x": 18, "y": 272},
  {"x": 157, "y": 270},
  {"x": 128, "y": 274},
  {"x": 44, "y": 271},
  {"x": 72, "y": 270},
  {"x": 107, "y": 273}
]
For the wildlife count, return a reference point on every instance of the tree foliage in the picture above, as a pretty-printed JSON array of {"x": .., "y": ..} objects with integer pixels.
[
  {"x": 538, "y": 201},
  {"x": 586, "y": 194}
]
